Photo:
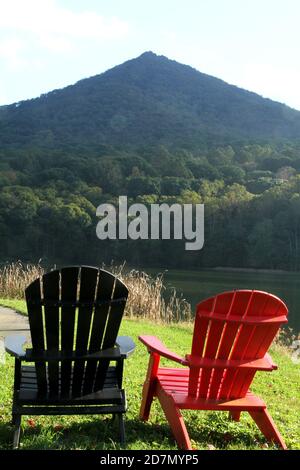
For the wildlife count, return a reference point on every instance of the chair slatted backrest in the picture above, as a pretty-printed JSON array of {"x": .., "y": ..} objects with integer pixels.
[
  {"x": 74, "y": 310},
  {"x": 236, "y": 325}
]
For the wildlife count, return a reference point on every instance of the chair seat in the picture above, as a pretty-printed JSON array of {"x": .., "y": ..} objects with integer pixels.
[
  {"x": 174, "y": 382},
  {"x": 30, "y": 395}
]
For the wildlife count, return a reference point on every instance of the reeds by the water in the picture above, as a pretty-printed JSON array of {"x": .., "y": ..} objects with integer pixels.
[
  {"x": 15, "y": 277},
  {"x": 148, "y": 297}
]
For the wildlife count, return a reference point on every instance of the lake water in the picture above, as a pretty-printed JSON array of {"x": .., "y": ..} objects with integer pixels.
[{"x": 198, "y": 285}]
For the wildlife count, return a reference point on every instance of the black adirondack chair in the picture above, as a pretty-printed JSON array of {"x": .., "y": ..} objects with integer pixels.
[{"x": 74, "y": 316}]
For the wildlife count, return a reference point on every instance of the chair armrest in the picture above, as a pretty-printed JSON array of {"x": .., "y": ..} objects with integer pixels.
[
  {"x": 272, "y": 364},
  {"x": 126, "y": 345},
  {"x": 153, "y": 344},
  {"x": 14, "y": 345}
]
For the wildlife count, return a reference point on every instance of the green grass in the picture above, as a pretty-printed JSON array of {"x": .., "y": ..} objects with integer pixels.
[
  {"x": 18, "y": 305},
  {"x": 280, "y": 390}
]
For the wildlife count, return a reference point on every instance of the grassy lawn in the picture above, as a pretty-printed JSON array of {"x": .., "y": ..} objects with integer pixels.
[
  {"x": 208, "y": 430},
  {"x": 18, "y": 305}
]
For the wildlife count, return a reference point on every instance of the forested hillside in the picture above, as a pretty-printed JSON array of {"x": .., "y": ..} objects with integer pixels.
[
  {"x": 150, "y": 100},
  {"x": 157, "y": 131}
]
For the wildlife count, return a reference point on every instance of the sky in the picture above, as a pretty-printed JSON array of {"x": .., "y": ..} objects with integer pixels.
[{"x": 49, "y": 44}]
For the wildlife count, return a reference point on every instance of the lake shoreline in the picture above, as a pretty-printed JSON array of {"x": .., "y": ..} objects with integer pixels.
[
  {"x": 218, "y": 269},
  {"x": 197, "y": 285},
  {"x": 252, "y": 270}
]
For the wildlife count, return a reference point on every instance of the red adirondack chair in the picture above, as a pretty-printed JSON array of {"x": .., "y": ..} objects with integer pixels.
[{"x": 232, "y": 334}]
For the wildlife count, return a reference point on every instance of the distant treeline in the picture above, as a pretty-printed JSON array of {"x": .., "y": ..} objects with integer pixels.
[{"x": 251, "y": 192}]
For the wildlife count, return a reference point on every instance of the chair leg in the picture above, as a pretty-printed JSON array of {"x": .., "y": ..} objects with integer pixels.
[
  {"x": 234, "y": 415},
  {"x": 13, "y": 418},
  {"x": 121, "y": 428},
  {"x": 175, "y": 419},
  {"x": 267, "y": 426},
  {"x": 147, "y": 399},
  {"x": 149, "y": 387},
  {"x": 17, "y": 424}
]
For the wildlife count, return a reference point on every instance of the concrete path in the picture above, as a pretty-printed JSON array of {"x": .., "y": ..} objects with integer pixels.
[{"x": 12, "y": 322}]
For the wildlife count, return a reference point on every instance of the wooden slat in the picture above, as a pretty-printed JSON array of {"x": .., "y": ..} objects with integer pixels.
[
  {"x": 108, "y": 395},
  {"x": 201, "y": 378},
  {"x": 251, "y": 320},
  {"x": 35, "y": 316},
  {"x": 200, "y": 326},
  {"x": 105, "y": 288},
  {"x": 264, "y": 335},
  {"x": 208, "y": 376},
  {"x": 115, "y": 315},
  {"x": 30, "y": 372},
  {"x": 178, "y": 390},
  {"x": 62, "y": 409},
  {"x": 241, "y": 303},
  {"x": 249, "y": 402},
  {"x": 201, "y": 329},
  {"x": 229, "y": 336},
  {"x": 230, "y": 300},
  {"x": 29, "y": 378},
  {"x": 69, "y": 282},
  {"x": 75, "y": 303},
  {"x": 223, "y": 304},
  {"x": 51, "y": 291},
  {"x": 257, "y": 304},
  {"x": 241, "y": 306},
  {"x": 88, "y": 282},
  {"x": 266, "y": 307},
  {"x": 244, "y": 335},
  {"x": 114, "y": 318}
]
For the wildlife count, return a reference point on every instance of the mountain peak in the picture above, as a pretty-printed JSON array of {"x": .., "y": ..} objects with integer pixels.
[
  {"x": 148, "y": 57},
  {"x": 148, "y": 100},
  {"x": 147, "y": 54}
]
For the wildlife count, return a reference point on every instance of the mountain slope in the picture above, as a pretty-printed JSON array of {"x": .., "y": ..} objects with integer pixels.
[{"x": 146, "y": 101}]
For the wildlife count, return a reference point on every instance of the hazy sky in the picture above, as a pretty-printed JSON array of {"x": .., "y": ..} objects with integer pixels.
[{"x": 48, "y": 44}]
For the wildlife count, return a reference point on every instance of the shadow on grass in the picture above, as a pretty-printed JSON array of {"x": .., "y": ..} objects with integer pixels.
[
  {"x": 223, "y": 434},
  {"x": 103, "y": 434},
  {"x": 6, "y": 433}
]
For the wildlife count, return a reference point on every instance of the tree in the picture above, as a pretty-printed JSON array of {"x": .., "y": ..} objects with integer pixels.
[
  {"x": 261, "y": 246},
  {"x": 142, "y": 185}
]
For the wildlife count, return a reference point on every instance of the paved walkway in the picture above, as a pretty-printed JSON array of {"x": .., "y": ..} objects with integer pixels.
[{"x": 12, "y": 322}]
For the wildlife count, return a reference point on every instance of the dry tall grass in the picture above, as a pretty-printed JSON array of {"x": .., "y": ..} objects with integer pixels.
[
  {"x": 148, "y": 298},
  {"x": 15, "y": 277}
]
